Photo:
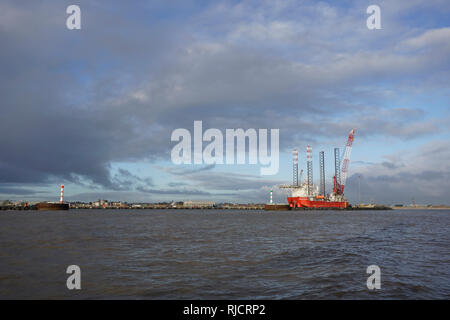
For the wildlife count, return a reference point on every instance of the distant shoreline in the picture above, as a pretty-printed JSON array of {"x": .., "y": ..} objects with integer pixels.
[
  {"x": 251, "y": 208},
  {"x": 422, "y": 208}
]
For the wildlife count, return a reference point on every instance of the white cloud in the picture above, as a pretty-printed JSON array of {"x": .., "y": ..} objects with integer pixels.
[{"x": 429, "y": 39}]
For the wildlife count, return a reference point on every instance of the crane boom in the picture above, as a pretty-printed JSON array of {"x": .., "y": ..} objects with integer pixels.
[{"x": 348, "y": 150}]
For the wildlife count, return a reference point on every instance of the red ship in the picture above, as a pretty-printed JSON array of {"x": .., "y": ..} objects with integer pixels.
[
  {"x": 304, "y": 195},
  {"x": 302, "y": 202}
]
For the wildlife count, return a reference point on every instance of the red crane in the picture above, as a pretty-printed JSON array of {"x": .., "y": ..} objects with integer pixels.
[{"x": 339, "y": 187}]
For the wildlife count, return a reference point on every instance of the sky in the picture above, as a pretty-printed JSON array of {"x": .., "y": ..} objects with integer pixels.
[{"x": 94, "y": 108}]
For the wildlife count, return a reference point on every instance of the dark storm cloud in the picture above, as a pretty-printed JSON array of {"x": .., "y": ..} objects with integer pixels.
[
  {"x": 181, "y": 171},
  {"x": 359, "y": 162},
  {"x": 17, "y": 191},
  {"x": 226, "y": 180},
  {"x": 177, "y": 184},
  {"x": 57, "y": 91},
  {"x": 240, "y": 187},
  {"x": 185, "y": 192},
  {"x": 389, "y": 165},
  {"x": 125, "y": 180},
  {"x": 182, "y": 191}
]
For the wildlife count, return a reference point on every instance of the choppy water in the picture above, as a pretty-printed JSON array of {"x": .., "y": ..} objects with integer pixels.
[{"x": 194, "y": 254}]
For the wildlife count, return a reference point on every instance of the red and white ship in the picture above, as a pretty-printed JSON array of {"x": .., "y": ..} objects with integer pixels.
[{"x": 305, "y": 195}]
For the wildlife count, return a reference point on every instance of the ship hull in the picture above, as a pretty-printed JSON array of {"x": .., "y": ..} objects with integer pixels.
[
  {"x": 303, "y": 202},
  {"x": 44, "y": 206}
]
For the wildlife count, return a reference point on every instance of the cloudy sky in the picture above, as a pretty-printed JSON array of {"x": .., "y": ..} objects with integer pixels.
[{"x": 95, "y": 108}]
